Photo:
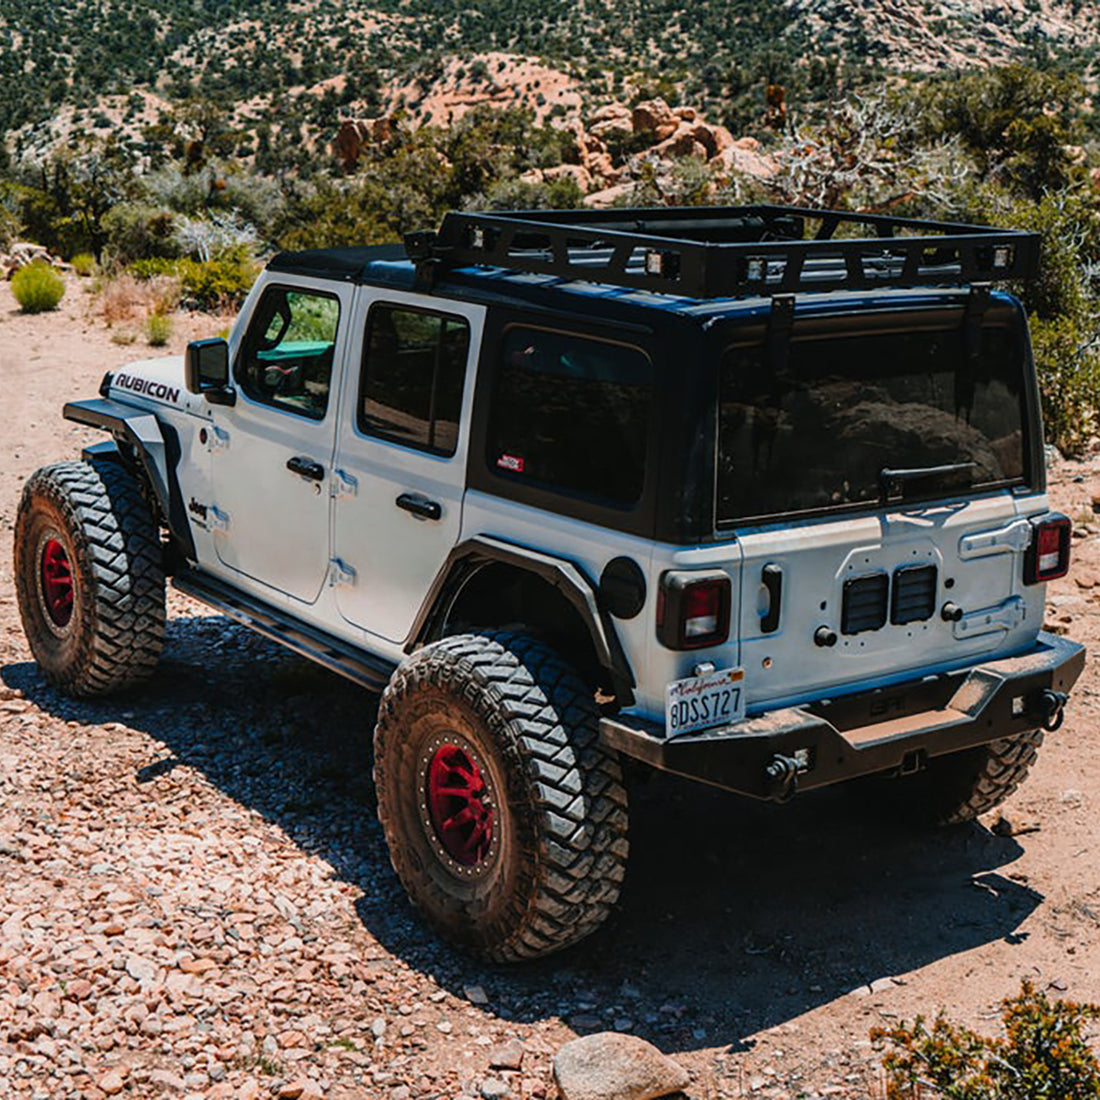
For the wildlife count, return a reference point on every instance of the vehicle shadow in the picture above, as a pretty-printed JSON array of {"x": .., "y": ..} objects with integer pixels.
[{"x": 736, "y": 916}]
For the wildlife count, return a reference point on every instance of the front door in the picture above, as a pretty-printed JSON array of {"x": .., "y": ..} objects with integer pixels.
[
  {"x": 401, "y": 455},
  {"x": 273, "y": 449}
]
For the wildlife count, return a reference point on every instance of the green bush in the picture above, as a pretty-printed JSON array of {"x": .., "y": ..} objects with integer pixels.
[
  {"x": 158, "y": 329},
  {"x": 83, "y": 263},
  {"x": 218, "y": 284},
  {"x": 136, "y": 231},
  {"x": 37, "y": 287},
  {"x": 1043, "y": 1055},
  {"x": 143, "y": 270}
]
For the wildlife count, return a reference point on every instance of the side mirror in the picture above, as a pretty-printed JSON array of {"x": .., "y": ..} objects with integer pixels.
[{"x": 207, "y": 371}]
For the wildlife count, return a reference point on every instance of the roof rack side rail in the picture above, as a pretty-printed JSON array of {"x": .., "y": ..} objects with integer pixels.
[{"x": 725, "y": 252}]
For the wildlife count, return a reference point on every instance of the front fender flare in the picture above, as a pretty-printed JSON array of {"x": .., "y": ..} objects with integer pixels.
[
  {"x": 155, "y": 446},
  {"x": 468, "y": 557}
]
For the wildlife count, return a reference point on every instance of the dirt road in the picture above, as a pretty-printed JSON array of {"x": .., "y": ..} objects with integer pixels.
[{"x": 196, "y": 899}]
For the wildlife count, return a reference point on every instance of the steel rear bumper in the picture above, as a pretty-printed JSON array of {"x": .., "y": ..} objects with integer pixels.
[{"x": 892, "y": 729}]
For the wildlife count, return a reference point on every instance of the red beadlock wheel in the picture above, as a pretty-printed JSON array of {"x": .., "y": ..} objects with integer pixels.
[
  {"x": 57, "y": 583},
  {"x": 460, "y": 806}
]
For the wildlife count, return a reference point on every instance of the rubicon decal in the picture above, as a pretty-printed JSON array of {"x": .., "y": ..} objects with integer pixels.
[{"x": 152, "y": 389}]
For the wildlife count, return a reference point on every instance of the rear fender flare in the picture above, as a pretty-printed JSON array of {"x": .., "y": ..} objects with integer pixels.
[{"x": 470, "y": 557}]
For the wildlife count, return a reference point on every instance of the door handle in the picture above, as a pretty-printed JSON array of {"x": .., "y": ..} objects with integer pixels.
[
  {"x": 419, "y": 506},
  {"x": 306, "y": 467},
  {"x": 772, "y": 578}
]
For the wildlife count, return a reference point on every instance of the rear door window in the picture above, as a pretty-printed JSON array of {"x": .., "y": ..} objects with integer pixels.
[
  {"x": 570, "y": 413},
  {"x": 414, "y": 369}
]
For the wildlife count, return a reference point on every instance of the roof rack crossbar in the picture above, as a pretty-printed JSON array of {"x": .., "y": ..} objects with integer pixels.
[{"x": 726, "y": 252}]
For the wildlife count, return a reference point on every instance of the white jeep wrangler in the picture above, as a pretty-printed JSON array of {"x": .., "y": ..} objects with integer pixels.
[{"x": 717, "y": 490}]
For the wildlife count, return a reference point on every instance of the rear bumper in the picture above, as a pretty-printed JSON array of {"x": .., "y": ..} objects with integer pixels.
[{"x": 893, "y": 729}]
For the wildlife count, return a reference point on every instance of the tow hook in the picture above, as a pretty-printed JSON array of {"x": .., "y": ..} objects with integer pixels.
[
  {"x": 1048, "y": 708},
  {"x": 781, "y": 778}
]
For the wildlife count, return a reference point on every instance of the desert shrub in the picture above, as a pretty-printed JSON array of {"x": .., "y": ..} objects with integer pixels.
[
  {"x": 137, "y": 231},
  {"x": 37, "y": 287},
  {"x": 9, "y": 219},
  {"x": 563, "y": 193},
  {"x": 152, "y": 268},
  {"x": 1067, "y": 362},
  {"x": 1043, "y": 1055},
  {"x": 1017, "y": 122},
  {"x": 163, "y": 293},
  {"x": 83, "y": 263},
  {"x": 217, "y": 284},
  {"x": 120, "y": 298},
  {"x": 214, "y": 236},
  {"x": 158, "y": 329},
  {"x": 1062, "y": 301}
]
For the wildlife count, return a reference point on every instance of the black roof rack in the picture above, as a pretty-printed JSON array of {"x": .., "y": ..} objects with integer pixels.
[{"x": 729, "y": 251}]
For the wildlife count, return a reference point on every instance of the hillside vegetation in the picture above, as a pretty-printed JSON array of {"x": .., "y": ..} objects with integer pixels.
[{"x": 185, "y": 140}]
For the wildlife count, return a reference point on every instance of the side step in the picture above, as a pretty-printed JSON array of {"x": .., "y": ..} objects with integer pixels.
[{"x": 364, "y": 669}]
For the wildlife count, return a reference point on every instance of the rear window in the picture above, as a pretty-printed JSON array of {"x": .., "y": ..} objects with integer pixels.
[
  {"x": 571, "y": 414},
  {"x": 816, "y": 429}
]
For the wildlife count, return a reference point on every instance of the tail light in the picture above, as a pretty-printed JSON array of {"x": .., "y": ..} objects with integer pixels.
[
  {"x": 693, "y": 609},
  {"x": 1047, "y": 557}
]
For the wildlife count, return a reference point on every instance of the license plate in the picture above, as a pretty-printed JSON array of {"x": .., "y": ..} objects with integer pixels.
[{"x": 700, "y": 702}]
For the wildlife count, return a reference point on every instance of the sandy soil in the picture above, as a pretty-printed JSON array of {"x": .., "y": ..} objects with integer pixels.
[{"x": 196, "y": 897}]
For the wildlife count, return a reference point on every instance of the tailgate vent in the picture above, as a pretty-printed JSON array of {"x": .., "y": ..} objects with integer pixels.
[
  {"x": 865, "y": 603},
  {"x": 914, "y": 594}
]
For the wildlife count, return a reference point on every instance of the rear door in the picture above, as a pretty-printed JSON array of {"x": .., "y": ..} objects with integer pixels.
[
  {"x": 875, "y": 483},
  {"x": 401, "y": 454}
]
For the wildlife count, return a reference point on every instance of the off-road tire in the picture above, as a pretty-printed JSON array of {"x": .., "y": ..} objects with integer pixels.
[
  {"x": 96, "y": 512},
  {"x": 962, "y": 786},
  {"x": 530, "y": 723}
]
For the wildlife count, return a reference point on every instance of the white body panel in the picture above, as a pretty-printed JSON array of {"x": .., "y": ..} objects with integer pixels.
[
  {"x": 818, "y": 556},
  {"x": 282, "y": 533}
]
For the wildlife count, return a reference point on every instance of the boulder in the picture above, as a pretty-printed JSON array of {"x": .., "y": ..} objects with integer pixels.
[
  {"x": 609, "y": 195},
  {"x": 746, "y": 162},
  {"x": 655, "y": 117},
  {"x": 715, "y": 139},
  {"x": 683, "y": 143},
  {"x": 610, "y": 1066},
  {"x": 613, "y": 116},
  {"x": 356, "y": 133},
  {"x": 576, "y": 171},
  {"x": 601, "y": 168}
]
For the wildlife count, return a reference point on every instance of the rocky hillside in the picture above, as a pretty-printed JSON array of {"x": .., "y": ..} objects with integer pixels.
[
  {"x": 948, "y": 34},
  {"x": 90, "y": 67}
]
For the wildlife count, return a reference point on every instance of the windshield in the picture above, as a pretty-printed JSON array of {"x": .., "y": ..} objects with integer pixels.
[{"x": 815, "y": 426}]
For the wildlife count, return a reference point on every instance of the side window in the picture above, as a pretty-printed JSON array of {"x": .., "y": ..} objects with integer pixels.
[
  {"x": 414, "y": 368},
  {"x": 571, "y": 413},
  {"x": 286, "y": 356}
]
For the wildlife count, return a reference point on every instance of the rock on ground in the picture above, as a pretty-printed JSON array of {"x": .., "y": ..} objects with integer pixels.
[{"x": 609, "y": 1066}]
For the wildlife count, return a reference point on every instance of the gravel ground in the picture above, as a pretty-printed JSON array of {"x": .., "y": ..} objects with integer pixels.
[{"x": 197, "y": 901}]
